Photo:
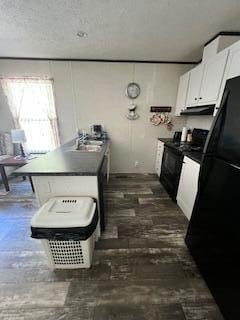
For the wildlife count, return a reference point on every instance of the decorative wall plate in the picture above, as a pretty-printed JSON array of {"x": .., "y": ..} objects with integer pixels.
[{"x": 133, "y": 90}]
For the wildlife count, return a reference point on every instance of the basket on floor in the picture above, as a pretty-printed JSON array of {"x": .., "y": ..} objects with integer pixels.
[{"x": 68, "y": 228}]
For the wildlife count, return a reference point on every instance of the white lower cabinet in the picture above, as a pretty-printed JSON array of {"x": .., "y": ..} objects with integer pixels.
[
  {"x": 159, "y": 155},
  {"x": 188, "y": 185}
]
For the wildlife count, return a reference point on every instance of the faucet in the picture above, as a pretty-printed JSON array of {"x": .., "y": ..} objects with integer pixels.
[{"x": 82, "y": 140}]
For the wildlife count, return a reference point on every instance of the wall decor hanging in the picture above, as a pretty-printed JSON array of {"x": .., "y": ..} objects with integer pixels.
[
  {"x": 132, "y": 91},
  {"x": 132, "y": 114},
  {"x": 162, "y": 118},
  {"x": 160, "y": 109}
]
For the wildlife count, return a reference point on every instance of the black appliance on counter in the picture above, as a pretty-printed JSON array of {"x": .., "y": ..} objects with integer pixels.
[
  {"x": 173, "y": 158},
  {"x": 177, "y": 136},
  {"x": 213, "y": 235}
]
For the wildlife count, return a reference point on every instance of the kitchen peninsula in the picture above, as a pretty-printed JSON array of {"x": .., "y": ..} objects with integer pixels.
[{"x": 69, "y": 172}]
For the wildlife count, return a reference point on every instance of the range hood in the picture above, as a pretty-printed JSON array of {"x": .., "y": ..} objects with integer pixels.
[{"x": 204, "y": 110}]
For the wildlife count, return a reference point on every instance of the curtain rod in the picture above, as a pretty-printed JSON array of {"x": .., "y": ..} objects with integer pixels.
[{"x": 27, "y": 78}]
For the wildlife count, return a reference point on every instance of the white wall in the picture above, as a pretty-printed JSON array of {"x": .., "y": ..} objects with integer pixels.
[
  {"x": 92, "y": 92},
  {"x": 201, "y": 122},
  {"x": 6, "y": 121}
]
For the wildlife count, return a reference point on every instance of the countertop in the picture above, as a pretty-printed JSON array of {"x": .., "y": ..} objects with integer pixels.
[
  {"x": 194, "y": 155},
  {"x": 165, "y": 140},
  {"x": 62, "y": 162}
]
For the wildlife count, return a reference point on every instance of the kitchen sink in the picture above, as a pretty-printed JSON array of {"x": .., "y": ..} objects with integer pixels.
[
  {"x": 86, "y": 148},
  {"x": 89, "y": 148},
  {"x": 95, "y": 142}
]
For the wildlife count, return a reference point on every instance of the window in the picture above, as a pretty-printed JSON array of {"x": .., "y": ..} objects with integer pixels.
[{"x": 31, "y": 102}]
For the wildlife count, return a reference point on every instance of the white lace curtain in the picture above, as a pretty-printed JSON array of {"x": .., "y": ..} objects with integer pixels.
[{"x": 31, "y": 102}]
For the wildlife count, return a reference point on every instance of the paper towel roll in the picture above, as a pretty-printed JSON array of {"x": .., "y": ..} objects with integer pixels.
[{"x": 184, "y": 134}]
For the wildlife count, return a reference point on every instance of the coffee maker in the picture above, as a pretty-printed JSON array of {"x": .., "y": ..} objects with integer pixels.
[
  {"x": 96, "y": 131},
  {"x": 177, "y": 136}
]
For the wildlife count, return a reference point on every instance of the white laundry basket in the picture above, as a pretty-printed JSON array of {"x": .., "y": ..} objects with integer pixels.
[{"x": 68, "y": 228}]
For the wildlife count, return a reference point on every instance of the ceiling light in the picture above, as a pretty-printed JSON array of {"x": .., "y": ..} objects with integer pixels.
[{"x": 82, "y": 34}]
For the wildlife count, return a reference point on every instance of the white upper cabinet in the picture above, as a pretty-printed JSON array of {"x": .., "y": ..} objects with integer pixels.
[
  {"x": 205, "y": 80},
  {"x": 212, "y": 78},
  {"x": 233, "y": 69},
  {"x": 195, "y": 81},
  {"x": 203, "y": 84},
  {"x": 182, "y": 93}
]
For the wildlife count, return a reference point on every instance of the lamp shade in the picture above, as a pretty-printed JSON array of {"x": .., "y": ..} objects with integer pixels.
[{"x": 18, "y": 136}]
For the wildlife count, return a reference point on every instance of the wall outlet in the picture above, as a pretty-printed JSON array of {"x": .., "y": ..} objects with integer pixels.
[{"x": 136, "y": 164}]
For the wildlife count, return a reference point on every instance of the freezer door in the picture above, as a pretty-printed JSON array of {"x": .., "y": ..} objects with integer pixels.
[{"x": 224, "y": 137}]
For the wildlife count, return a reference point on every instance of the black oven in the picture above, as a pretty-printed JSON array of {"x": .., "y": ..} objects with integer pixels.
[{"x": 171, "y": 170}]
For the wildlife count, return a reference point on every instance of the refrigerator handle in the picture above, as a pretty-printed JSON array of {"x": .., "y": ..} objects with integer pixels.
[{"x": 234, "y": 166}]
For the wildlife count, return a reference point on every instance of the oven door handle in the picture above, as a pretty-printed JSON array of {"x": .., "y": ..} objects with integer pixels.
[{"x": 172, "y": 150}]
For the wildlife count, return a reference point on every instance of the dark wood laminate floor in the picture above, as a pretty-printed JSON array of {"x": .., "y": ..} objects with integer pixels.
[{"x": 141, "y": 268}]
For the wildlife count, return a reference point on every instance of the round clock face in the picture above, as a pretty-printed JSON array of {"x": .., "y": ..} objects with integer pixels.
[{"x": 133, "y": 90}]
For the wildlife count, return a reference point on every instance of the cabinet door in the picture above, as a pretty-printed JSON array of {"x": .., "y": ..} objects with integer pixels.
[
  {"x": 232, "y": 70},
  {"x": 159, "y": 155},
  {"x": 234, "y": 64},
  {"x": 182, "y": 93},
  {"x": 212, "y": 78},
  {"x": 188, "y": 185},
  {"x": 194, "y": 85},
  {"x": 107, "y": 155},
  {"x": 102, "y": 184}
]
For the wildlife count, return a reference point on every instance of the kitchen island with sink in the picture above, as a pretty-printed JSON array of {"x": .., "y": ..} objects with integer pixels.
[{"x": 70, "y": 172}]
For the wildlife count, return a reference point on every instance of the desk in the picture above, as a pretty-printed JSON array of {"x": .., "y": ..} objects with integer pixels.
[{"x": 12, "y": 162}]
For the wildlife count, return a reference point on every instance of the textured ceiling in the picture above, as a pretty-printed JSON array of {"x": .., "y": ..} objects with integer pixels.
[{"x": 117, "y": 29}]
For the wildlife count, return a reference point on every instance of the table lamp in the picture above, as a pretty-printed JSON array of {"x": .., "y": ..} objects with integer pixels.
[{"x": 18, "y": 136}]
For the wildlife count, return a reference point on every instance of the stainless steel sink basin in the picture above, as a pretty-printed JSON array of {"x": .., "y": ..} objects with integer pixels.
[
  {"x": 86, "y": 148},
  {"x": 95, "y": 142},
  {"x": 89, "y": 148}
]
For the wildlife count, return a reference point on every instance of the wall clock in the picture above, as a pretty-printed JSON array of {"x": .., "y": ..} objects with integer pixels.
[{"x": 133, "y": 90}]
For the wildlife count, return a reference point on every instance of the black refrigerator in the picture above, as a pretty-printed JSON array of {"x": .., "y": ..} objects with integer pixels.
[{"x": 213, "y": 235}]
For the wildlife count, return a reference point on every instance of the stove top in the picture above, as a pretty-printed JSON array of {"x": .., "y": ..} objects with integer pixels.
[
  {"x": 199, "y": 137},
  {"x": 187, "y": 147},
  {"x": 193, "y": 151}
]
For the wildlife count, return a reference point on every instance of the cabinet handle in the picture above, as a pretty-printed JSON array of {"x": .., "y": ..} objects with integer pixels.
[
  {"x": 195, "y": 98},
  {"x": 200, "y": 98}
]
